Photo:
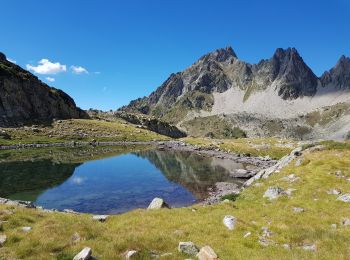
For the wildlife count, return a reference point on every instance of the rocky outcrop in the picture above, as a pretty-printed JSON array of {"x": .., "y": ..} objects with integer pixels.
[
  {"x": 339, "y": 76},
  {"x": 25, "y": 99}
]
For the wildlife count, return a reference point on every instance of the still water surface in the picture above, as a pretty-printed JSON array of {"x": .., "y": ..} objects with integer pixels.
[{"x": 116, "y": 184}]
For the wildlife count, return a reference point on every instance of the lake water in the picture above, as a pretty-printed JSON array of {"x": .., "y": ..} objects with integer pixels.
[{"x": 114, "y": 182}]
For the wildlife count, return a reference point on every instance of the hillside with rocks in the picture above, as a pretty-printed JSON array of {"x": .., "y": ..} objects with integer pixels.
[
  {"x": 25, "y": 99},
  {"x": 280, "y": 96}
]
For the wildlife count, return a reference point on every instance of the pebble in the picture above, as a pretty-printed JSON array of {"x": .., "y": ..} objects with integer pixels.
[
  {"x": 229, "y": 222},
  {"x": 247, "y": 234}
]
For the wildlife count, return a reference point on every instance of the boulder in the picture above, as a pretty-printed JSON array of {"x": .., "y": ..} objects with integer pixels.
[
  {"x": 344, "y": 198},
  {"x": 346, "y": 222},
  {"x": 101, "y": 218},
  {"x": 158, "y": 203},
  {"x": 229, "y": 222},
  {"x": 131, "y": 254},
  {"x": 84, "y": 254},
  {"x": 273, "y": 193},
  {"x": 334, "y": 192},
  {"x": 207, "y": 253},
  {"x": 188, "y": 248},
  {"x": 3, "y": 239}
]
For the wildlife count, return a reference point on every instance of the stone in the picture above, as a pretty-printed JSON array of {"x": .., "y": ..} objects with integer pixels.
[
  {"x": 84, "y": 254},
  {"x": 289, "y": 191},
  {"x": 299, "y": 162},
  {"x": 273, "y": 193},
  {"x": 158, "y": 203},
  {"x": 229, "y": 222},
  {"x": 346, "y": 222},
  {"x": 286, "y": 246},
  {"x": 266, "y": 232},
  {"x": 188, "y": 248},
  {"x": 131, "y": 254},
  {"x": 247, "y": 234},
  {"x": 207, "y": 253},
  {"x": 344, "y": 198},
  {"x": 298, "y": 210},
  {"x": 3, "y": 239},
  {"x": 26, "y": 229},
  {"x": 334, "y": 192},
  {"x": 309, "y": 247},
  {"x": 101, "y": 218}
]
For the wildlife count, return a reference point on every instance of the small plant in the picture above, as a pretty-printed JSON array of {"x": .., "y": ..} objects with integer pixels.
[{"x": 231, "y": 197}]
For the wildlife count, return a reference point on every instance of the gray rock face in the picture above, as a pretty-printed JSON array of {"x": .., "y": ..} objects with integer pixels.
[
  {"x": 188, "y": 248},
  {"x": 339, "y": 75},
  {"x": 25, "y": 99}
]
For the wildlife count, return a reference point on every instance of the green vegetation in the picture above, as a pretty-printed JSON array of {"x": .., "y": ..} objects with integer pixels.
[
  {"x": 78, "y": 130},
  {"x": 327, "y": 114},
  {"x": 231, "y": 197},
  {"x": 213, "y": 127},
  {"x": 160, "y": 231}
]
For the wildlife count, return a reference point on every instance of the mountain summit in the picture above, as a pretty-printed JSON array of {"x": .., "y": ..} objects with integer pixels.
[{"x": 219, "y": 85}]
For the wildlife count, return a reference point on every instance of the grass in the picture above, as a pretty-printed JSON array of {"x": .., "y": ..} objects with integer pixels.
[
  {"x": 275, "y": 148},
  {"x": 79, "y": 130},
  {"x": 161, "y": 230}
]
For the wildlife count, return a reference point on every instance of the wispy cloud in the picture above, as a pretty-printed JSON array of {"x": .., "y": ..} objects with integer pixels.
[
  {"x": 50, "y": 79},
  {"x": 78, "y": 70},
  {"x": 10, "y": 60},
  {"x": 97, "y": 72},
  {"x": 47, "y": 67}
]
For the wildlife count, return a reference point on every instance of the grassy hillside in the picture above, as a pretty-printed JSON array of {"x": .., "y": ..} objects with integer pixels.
[
  {"x": 78, "y": 130},
  {"x": 320, "y": 225}
]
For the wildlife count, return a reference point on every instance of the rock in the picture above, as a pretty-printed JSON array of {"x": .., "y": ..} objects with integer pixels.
[
  {"x": 286, "y": 246},
  {"x": 84, "y": 254},
  {"x": 207, "y": 253},
  {"x": 346, "y": 222},
  {"x": 289, "y": 191},
  {"x": 266, "y": 232},
  {"x": 101, "y": 218},
  {"x": 344, "y": 198},
  {"x": 229, "y": 222},
  {"x": 3, "y": 239},
  {"x": 273, "y": 193},
  {"x": 188, "y": 248},
  {"x": 158, "y": 203},
  {"x": 26, "y": 229},
  {"x": 247, "y": 234},
  {"x": 298, "y": 210},
  {"x": 334, "y": 192},
  {"x": 298, "y": 162},
  {"x": 309, "y": 247},
  {"x": 131, "y": 254}
]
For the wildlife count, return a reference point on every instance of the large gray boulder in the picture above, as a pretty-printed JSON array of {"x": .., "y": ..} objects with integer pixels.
[{"x": 158, "y": 203}]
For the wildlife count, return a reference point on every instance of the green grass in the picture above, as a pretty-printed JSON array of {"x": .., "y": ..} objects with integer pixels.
[
  {"x": 79, "y": 130},
  {"x": 161, "y": 230}
]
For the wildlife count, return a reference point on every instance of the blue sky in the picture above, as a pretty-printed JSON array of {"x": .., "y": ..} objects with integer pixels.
[{"x": 130, "y": 47}]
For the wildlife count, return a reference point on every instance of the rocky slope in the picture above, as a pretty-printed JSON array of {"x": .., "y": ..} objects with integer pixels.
[
  {"x": 272, "y": 98},
  {"x": 25, "y": 99}
]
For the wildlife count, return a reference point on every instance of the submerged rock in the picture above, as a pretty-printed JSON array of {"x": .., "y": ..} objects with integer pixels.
[
  {"x": 188, "y": 248},
  {"x": 84, "y": 254},
  {"x": 207, "y": 253},
  {"x": 158, "y": 203}
]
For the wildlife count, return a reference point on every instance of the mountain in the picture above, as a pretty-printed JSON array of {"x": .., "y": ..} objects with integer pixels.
[
  {"x": 25, "y": 99},
  {"x": 220, "y": 93}
]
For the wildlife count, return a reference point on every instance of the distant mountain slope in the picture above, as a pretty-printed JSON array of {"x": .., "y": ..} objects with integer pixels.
[
  {"x": 24, "y": 98},
  {"x": 232, "y": 93}
]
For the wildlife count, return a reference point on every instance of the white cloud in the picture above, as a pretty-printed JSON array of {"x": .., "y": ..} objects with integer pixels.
[
  {"x": 47, "y": 67},
  {"x": 10, "y": 60},
  {"x": 78, "y": 70},
  {"x": 50, "y": 79}
]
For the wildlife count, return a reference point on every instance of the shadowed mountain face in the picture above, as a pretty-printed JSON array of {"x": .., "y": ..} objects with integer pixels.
[{"x": 24, "y": 98}]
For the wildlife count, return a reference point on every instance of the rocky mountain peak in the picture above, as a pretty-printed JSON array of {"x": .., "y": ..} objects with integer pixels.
[
  {"x": 2, "y": 56},
  {"x": 220, "y": 55},
  {"x": 339, "y": 75}
]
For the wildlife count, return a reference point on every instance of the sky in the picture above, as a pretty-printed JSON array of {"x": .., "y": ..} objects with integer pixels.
[{"x": 106, "y": 53}]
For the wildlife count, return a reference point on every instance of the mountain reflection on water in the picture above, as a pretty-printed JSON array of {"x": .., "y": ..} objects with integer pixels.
[{"x": 118, "y": 181}]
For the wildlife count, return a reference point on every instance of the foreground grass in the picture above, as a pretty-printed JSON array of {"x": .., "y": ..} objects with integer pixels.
[
  {"x": 273, "y": 147},
  {"x": 160, "y": 231},
  {"x": 79, "y": 130}
]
